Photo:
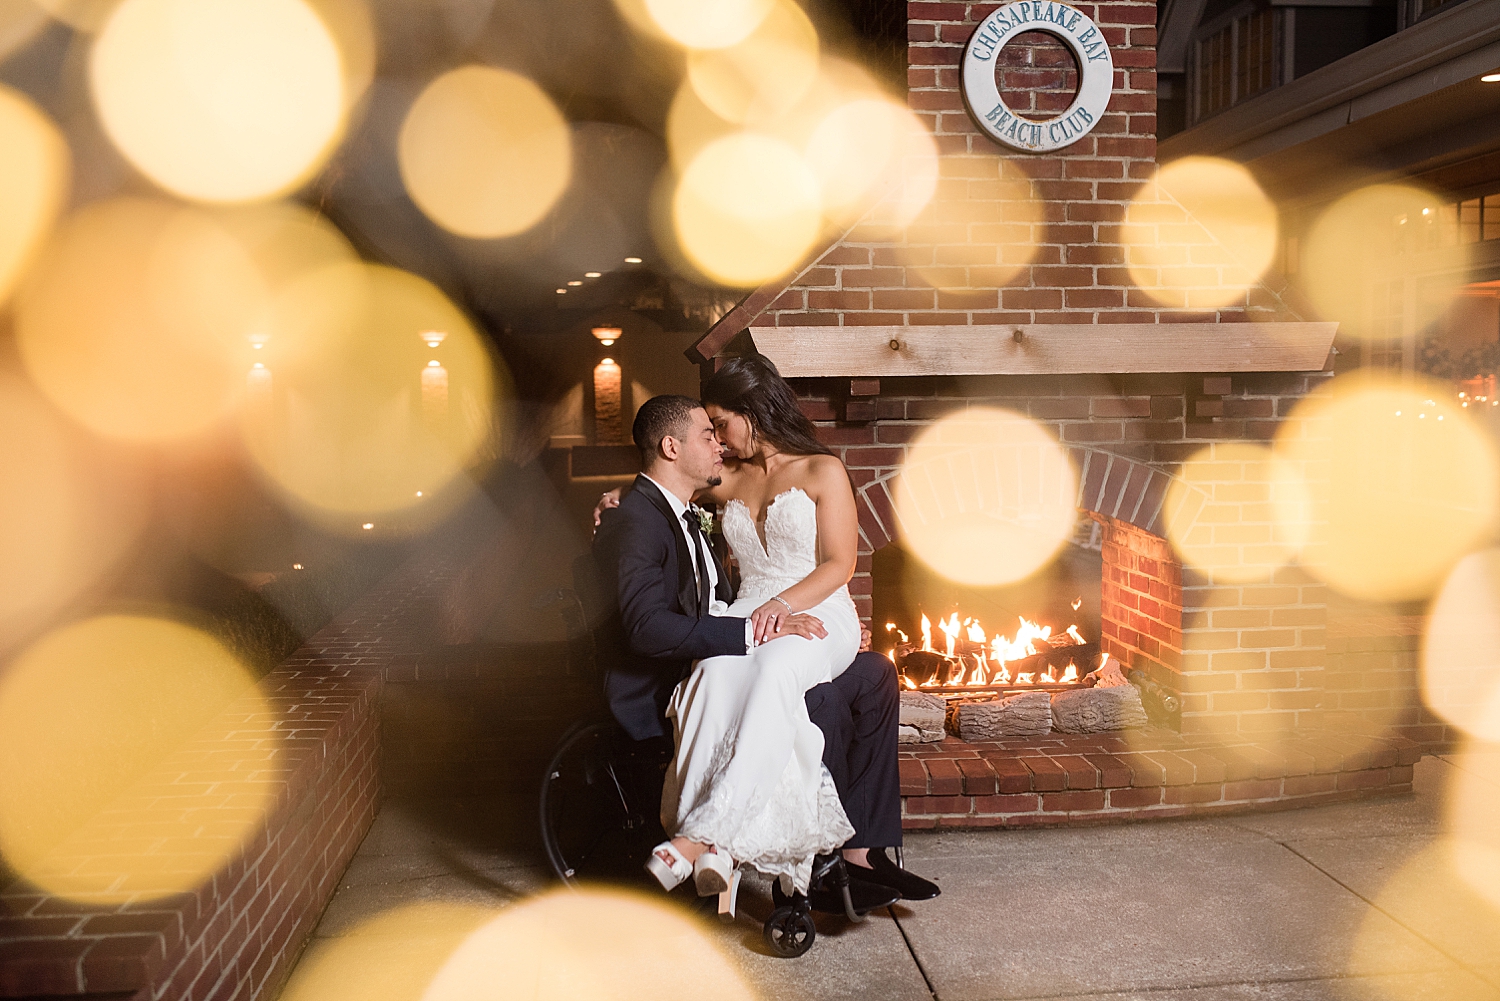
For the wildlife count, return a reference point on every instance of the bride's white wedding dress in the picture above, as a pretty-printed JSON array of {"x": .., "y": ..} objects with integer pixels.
[{"x": 748, "y": 775}]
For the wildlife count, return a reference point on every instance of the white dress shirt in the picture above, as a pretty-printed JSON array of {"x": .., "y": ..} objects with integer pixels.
[{"x": 715, "y": 606}]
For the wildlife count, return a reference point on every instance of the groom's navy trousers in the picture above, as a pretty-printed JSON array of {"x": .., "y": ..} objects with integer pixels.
[{"x": 649, "y": 638}]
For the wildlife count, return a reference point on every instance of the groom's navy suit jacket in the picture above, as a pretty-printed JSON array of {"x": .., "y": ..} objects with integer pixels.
[
  {"x": 651, "y": 634},
  {"x": 646, "y": 570}
]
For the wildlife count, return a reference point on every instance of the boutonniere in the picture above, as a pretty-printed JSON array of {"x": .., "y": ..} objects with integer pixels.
[{"x": 705, "y": 520}]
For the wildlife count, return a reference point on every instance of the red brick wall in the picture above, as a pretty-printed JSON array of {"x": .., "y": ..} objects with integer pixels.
[
  {"x": 1141, "y": 601},
  {"x": 1020, "y": 238},
  {"x": 236, "y": 935}
]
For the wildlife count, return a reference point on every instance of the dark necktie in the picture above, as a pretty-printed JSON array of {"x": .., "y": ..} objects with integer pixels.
[{"x": 695, "y": 534}]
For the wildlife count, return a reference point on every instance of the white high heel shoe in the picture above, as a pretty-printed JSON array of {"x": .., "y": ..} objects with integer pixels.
[
  {"x": 712, "y": 872},
  {"x": 727, "y": 898},
  {"x": 669, "y": 866}
]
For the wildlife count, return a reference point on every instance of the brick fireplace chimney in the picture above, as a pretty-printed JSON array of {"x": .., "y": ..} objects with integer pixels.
[{"x": 1025, "y": 278}]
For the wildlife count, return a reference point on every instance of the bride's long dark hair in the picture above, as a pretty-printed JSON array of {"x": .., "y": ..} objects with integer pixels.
[{"x": 750, "y": 386}]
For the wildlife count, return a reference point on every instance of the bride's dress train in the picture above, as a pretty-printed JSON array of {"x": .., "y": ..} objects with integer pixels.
[{"x": 748, "y": 774}]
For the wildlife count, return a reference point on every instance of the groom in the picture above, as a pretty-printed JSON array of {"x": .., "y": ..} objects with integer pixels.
[{"x": 668, "y": 594}]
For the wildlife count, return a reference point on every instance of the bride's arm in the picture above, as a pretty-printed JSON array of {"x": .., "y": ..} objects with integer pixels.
[{"x": 838, "y": 544}]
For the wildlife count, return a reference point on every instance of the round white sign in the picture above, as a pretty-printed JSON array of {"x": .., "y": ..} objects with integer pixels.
[{"x": 1095, "y": 65}]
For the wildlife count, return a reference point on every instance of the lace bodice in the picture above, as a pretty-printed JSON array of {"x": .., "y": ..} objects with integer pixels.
[{"x": 790, "y": 552}]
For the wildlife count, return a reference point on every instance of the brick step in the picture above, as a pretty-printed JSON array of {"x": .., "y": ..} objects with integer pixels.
[{"x": 1076, "y": 779}]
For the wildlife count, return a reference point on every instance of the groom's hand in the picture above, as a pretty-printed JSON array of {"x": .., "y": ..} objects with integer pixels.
[{"x": 807, "y": 626}]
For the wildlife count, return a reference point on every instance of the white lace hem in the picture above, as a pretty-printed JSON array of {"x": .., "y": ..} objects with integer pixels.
[{"x": 778, "y": 837}]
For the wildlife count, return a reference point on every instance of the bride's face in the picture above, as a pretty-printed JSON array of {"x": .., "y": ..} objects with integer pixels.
[{"x": 732, "y": 429}]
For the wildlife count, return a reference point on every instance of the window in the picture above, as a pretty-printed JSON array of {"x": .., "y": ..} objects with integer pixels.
[
  {"x": 1237, "y": 62},
  {"x": 1473, "y": 220},
  {"x": 1383, "y": 348},
  {"x": 1215, "y": 64},
  {"x": 1491, "y": 217},
  {"x": 1256, "y": 54},
  {"x": 1468, "y": 221}
]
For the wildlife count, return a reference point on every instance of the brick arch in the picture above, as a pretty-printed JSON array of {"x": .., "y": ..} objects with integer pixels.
[{"x": 1108, "y": 484}]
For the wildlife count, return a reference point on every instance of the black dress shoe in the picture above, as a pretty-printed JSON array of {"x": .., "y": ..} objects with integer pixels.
[
  {"x": 865, "y": 897},
  {"x": 884, "y": 872}
]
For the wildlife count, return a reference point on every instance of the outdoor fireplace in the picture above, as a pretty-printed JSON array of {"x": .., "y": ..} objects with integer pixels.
[{"x": 1070, "y": 291}]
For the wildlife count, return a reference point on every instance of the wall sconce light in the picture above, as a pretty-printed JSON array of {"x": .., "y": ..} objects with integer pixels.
[
  {"x": 607, "y": 335},
  {"x": 433, "y": 337}
]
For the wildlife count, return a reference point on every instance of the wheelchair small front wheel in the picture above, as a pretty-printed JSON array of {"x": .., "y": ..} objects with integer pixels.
[{"x": 790, "y": 932}]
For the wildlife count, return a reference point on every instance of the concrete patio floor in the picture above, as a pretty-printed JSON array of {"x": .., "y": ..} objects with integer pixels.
[{"x": 1356, "y": 901}]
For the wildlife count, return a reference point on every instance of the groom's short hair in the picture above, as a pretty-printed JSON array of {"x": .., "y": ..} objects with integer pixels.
[{"x": 658, "y": 418}]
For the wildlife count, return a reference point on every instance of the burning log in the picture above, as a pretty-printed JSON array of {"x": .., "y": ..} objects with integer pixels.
[
  {"x": 921, "y": 718},
  {"x": 1025, "y": 714},
  {"x": 1091, "y": 710},
  {"x": 1110, "y": 703}
]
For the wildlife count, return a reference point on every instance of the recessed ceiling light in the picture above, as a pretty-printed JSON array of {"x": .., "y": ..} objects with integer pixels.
[
  {"x": 368, "y": 525},
  {"x": 571, "y": 284},
  {"x": 591, "y": 274},
  {"x": 562, "y": 291},
  {"x": 1491, "y": 78},
  {"x": 632, "y": 260}
]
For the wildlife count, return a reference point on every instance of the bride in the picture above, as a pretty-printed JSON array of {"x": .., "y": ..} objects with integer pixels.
[{"x": 747, "y": 783}]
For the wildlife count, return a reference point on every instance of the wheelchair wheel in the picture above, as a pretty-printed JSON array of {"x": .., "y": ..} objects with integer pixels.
[
  {"x": 596, "y": 823},
  {"x": 790, "y": 931}
]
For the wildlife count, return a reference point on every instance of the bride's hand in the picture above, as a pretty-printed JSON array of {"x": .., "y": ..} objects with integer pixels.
[
  {"x": 774, "y": 619},
  {"x": 767, "y": 619},
  {"x": 809, "y": 627},
  {"x": 607, "y": 501}
]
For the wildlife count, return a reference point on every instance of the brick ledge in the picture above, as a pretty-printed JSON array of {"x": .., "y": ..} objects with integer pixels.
[{"x": 1063, "y": 780}]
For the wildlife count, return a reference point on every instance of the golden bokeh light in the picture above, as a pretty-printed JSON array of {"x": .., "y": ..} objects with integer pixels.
[
  {"x": 66, "y": 513},
  {"x": 220, "y": 100},
  {"x": 1422, "y": 892},
  {"x": 484, "y": 152},
  {"x": 97, "y": 706},
  {"x": 986, "y": 497},
  {"x": 692, "y": 125},
  {"x": 747, "y": 209},
  {"x": 1370, "y": 237},
  {"x": 132, "y": 317},
  {"x": 1399, "y": 481},
  {"x": 568, "y": 944},
  {"x": 1209, "y": 257},
  {"x": 358, "y": 431},
  {"x": 84, "y": 15},
  {"x": 20, "y": 22},
  {"x": 1473, "y": 819},
  {"x": 762, "y": 76},
  {"x": 300, "y": 258},
  {"x": 391, "y": 957},
  {"x": 34, "y": 175},
  {"x": 860, "y": 145},
  {"x": 708, "y": 24},
  {"x": 1461, "y": 647},
  {"x": 353, "y": 30},
  {"x": 1227, "y": 512}
]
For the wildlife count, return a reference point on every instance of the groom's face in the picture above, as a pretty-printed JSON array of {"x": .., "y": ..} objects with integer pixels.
[{"x": 698, "y": 453}]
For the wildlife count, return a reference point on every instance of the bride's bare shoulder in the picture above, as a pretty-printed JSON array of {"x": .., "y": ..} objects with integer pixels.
[{"x": 822, "y": 472}]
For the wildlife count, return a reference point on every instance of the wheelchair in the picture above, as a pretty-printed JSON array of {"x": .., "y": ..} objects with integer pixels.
[{"x": 600, "y": 797}]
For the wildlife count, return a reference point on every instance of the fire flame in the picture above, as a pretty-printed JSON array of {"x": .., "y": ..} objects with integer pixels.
[
  {"x": 977, "y": 662},
  {"x": 950, "y": 629}
]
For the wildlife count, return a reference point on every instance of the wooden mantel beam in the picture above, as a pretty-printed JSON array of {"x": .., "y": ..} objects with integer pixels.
[{"x": 1046, "y": 349}]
